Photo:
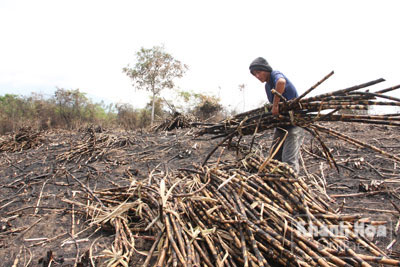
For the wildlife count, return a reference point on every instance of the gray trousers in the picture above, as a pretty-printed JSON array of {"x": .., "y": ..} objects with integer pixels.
[{"x": 290, "y": 149}]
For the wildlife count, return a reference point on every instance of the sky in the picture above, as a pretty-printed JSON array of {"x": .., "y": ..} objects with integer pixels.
[{"x": 50, "y": 44}]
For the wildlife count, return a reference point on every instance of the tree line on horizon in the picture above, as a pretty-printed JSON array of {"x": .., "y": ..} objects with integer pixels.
[{"x": 71, "y": 109}]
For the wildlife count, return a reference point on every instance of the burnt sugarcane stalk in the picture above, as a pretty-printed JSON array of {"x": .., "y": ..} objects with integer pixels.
[
  {"x": 178, "y": 234},
  {"x": 152, "y": 249},
  {"x": 345, "y": 137},
  {"x": 295, "y": 101},
  {"x": 161, "y": 258},
  {"x": 261, "y": 260},
  {"x": 344, "y": 91},
  {"x": 374, "y": 95}
]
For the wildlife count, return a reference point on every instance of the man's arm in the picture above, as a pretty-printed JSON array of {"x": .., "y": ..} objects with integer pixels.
[{"x": 280, "y": 88}]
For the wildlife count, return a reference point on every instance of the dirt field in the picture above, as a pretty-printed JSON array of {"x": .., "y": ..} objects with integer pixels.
[{"x": 39, "y": 223}]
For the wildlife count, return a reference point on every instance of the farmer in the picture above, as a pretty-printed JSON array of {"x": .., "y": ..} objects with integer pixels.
[{"x": 273, "y": 79}]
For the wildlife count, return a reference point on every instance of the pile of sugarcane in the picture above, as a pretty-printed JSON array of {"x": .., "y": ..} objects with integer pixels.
[
  {"x": 24, "y": 138},
  {"x": 177, "y": 120},
  {"x": 94, "y": 146},
  {"x": 254, "y": 212},
  {"x": 305, "y": 112}
]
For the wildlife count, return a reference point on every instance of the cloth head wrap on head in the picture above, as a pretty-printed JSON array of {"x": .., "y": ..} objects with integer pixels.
[{"x": 260, "y": 64}]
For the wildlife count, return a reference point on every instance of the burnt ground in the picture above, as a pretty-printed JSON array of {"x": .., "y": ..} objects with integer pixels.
[{"x": 37, "y": 185}]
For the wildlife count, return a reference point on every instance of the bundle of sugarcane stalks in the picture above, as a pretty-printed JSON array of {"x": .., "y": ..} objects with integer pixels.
[
  {"x": 305, "y": 112},
  {"x": 253, "y": 212},
  {"x": 177, "y": 120},
  {"x": 93, "y": 146},
  {"x": 24, "y": 138}
]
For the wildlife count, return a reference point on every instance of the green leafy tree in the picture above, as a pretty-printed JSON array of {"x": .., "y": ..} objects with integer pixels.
[
  {"x": 11, "y": 111},
  {"x": 69, "y": 104},
  {"x": 154, "y": 71},
  {"x": 127, "y": 116},
  {"x": 75, "y": 108},
  {"x": 66, "y": 109},
  {"x": 43, "y": 111}
]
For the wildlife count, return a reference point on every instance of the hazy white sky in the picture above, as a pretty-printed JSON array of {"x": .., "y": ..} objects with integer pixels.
[{"x": 85, "y": 44}]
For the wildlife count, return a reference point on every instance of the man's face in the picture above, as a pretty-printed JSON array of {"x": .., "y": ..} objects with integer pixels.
[{"x": 261, "y": 75}]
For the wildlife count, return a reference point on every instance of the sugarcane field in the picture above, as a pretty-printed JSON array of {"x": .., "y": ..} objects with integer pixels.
[{"x": 188, "y": 192}]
